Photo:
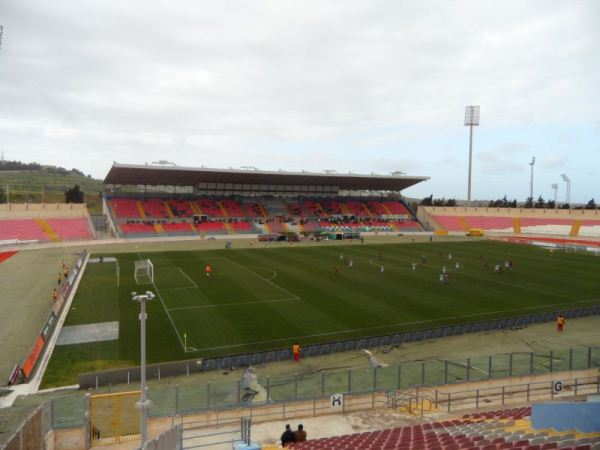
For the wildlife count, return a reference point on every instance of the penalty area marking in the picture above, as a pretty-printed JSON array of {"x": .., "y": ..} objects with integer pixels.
[
  {"x": 418, "y": 322},
  {"x": 166, "y": 311}
]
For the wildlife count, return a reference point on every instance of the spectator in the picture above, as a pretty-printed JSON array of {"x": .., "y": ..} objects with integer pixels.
[
  {"x": 287, "y": 436},
  {"x": 300, "y": 434}
]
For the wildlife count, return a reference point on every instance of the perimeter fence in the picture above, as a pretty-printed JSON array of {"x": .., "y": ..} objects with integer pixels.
[{"x": 170, "y": 399}]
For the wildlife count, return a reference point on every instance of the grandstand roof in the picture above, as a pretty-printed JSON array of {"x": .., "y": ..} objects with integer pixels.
[{"x": 131, "y": 174}]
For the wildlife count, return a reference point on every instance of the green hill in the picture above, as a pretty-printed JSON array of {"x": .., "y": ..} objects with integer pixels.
[{"x": 35, "y": 183}]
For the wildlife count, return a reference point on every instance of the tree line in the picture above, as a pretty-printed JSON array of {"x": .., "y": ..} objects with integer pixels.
[{"x": 504, "y": 202}]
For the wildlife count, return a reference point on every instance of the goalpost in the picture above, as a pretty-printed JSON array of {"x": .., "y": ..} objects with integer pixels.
[
  {"x": 118, "y": 272},
  {"x": 144, "y": 272}
]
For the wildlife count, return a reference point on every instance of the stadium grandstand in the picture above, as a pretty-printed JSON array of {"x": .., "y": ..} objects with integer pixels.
[
  {"x": 29, "y": 223},
  {"x": 153, "y": 200},
  {"x": 560, "y": 222}
]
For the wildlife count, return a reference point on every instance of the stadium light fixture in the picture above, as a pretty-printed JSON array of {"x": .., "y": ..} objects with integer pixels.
[
  {"x": 144, "y": 403},
  {"x": 471, "y": 120},
  {"x": 567, "y": 180},
  {"x": 532, "y": 163},
  {"x": 555, "y": 187}
]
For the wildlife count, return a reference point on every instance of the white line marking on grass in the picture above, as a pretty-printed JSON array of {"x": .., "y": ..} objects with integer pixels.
[
  {"x": 277, "y": 300},
  {"x": 166, "y": 311},
  {"x": 418, "y": 322},
  {"x": 261, "y": 277},
  {"x": 188, "y": 277}
]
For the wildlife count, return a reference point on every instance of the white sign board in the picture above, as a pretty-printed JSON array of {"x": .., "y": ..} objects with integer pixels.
[
  {"x": 336, "y": 401},
  {"x": 557, "y": 386}
]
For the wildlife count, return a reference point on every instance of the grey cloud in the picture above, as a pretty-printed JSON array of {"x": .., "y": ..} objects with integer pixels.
[{"x": 207, "y": 82}]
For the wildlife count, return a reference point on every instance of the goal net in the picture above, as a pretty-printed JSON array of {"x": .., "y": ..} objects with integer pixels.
[{"x": 144, "y": 272}]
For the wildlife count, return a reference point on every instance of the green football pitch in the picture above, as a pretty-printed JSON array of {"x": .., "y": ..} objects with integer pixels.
[{"x": 266, "y": 298}]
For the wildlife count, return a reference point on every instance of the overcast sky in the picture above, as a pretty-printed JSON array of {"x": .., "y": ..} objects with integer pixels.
[{"x": 362, "y": 86}]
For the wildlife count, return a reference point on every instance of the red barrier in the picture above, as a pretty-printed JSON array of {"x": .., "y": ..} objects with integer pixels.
[
  {"x": 33, "y": 356},
  {"x": 5, "y": 255}
]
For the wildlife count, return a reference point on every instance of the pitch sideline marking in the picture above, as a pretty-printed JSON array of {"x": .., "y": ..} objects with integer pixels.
[{"x": 391, "y": 325}]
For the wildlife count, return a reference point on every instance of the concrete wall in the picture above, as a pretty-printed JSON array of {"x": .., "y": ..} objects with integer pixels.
[
  {"x": 581, "y": 416},
  {"x": 42, "y": 210}
]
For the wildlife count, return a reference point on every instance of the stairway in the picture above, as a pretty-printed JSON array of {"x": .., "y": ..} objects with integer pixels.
[
  {"x": 387, "y": 210},
  {"x": 168, "y": 209},
  {"x": 575, "y": 228},
  {"x": 46, "y": 228},
  {"x": 195, "y": 208},
  {"x": 223, "y": 210},
  {"x": 517, "y": 225},
  {"x": 159, "y": 228},
  {"x": 463, "y": 223},
  {"x": 140, "y": 209}
]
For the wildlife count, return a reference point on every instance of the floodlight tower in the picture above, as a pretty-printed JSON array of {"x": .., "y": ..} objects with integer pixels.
[
  {"x": 532, "y": 163},
  {"x": 567, "y": 180},
  {"x": 142, "y": 299},
  {"x": 471, "y": 120},
  {"x": 555, "y": 187}
]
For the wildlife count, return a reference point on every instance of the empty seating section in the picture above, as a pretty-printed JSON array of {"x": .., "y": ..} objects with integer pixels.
[
  {"x": 590, "y": 228},
  {"x": 137, "y": 228},
  {"x": 154, "y": 208},
  {"x": 397, "y": 208},
  {"x": 243, "y": 227},
  {"x": 233, "y": 208},
  {"x": 450, "y": 223},
  {"x": 71, "y": 229},
  {"x": 63, "y": 229},
  {"x": 178, "y": 228},
  {"x": 125, "y": 207},
  {"x": 209, "y": 207},
  {"x": 181, "y": 208},
  {"x": 211, "y": 227},
  {"x": 490, "y": 223},
  {"x": 481, "y": 431},
  {"x": 527, "y": 225},
  {"x": 408, "y": 225},
  {"x": 22, "y": 229}
]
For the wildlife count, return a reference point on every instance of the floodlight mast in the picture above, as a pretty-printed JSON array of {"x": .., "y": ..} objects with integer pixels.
[
  {"x": 532, "y": 163},
  {"x": 555, "y": 187},
  {"x": 567, "y": 180},
  {"x": 471, "y": 120},
  {"x": 142, "y": 299}
]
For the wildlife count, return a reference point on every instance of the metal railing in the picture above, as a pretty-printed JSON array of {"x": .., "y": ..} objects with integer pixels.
[
  {"x": 155, "y": 371},
  {"x": 169, "y": 399}
]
